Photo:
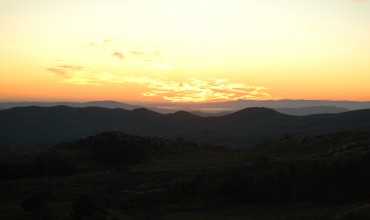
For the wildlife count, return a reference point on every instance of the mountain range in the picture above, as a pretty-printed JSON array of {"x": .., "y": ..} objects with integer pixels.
[
  {"x": 274, "y": 104},
  {"x": 291, "y": 107},
  {"x": 102, "y": 104},
  {"x": 242, "y": 129}
]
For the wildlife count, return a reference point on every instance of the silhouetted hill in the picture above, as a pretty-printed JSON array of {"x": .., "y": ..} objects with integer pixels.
[
  {"x": 254, "y": 113},
  {"x": 183, "y": 116},
  {"x": 50, "y": 125}
]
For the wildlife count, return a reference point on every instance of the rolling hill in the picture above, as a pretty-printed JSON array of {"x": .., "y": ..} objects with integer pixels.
[{"x": 245, "y": 128}]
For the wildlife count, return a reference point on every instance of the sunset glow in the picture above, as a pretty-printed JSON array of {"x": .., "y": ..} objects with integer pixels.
[{"x": 184, "y": 51}]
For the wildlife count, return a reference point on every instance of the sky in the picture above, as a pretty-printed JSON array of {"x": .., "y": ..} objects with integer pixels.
[{"x": 184, "y": 51}]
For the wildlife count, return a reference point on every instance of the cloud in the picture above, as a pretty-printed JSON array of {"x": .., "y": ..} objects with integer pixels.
[
  {"x": 196, "y": 90},
  {"x": 119, "y": 55},
  {"x": 192, "y": 90},
  {"x": 145, "y": 55},
  {"x": 116, "y": 50},
  {"x": 64, "y": 70}
]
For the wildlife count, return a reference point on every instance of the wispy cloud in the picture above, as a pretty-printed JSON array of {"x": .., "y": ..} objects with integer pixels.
[
  {"x": 196, "y": 90},
  {"x": 191, "y": 90},
  {"x": 118, "y": 55},
  {"x": 124, "y": 53},
  {"x": 64, "y": 70}
]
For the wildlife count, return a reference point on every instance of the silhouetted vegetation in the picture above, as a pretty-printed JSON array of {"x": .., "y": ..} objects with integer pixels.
[{"x": 118, "y": 176}]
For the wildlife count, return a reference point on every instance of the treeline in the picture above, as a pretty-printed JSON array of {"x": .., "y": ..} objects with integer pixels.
[
  {"x": 335, "y": 171},
  {"x": 333, "y": 180},
  {"x": 340, "y": 175},
  {"x": 105, "y": 151}
]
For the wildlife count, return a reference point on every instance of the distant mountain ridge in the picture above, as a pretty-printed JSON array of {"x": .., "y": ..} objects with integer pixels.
[
  {"x": 292, "y": 107},
  {"x": 51, "y": 125},
  {"x": 312, "y": 110},
  {"x": 102, "y": 104},
  {"x": 303, "y": 111},
  {"x": 278, "y": 104}
]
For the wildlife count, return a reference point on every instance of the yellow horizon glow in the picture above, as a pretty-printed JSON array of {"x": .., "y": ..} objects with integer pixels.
[{"x": 184, "y": 51}]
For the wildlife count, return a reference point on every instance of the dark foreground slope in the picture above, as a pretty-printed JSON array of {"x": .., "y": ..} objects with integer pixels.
[
  {"x": 51, "y": 125},
  {"x": 117, "y": 176},
  {"x": 101, "y": 152}
]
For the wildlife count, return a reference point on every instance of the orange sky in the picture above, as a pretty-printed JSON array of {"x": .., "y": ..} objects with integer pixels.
[{"x": 184, "y": 51}]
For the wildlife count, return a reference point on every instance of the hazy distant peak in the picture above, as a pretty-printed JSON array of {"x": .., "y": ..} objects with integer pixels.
[
  {"x": 141, "y": 110},
  {"x": 259, "y": 113},
  {"x": 183, "y": 115},
  {"x": 311, "y": 110},
  {"x": 256, "y": 110},
  {"x": 145, "y": 111}
]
